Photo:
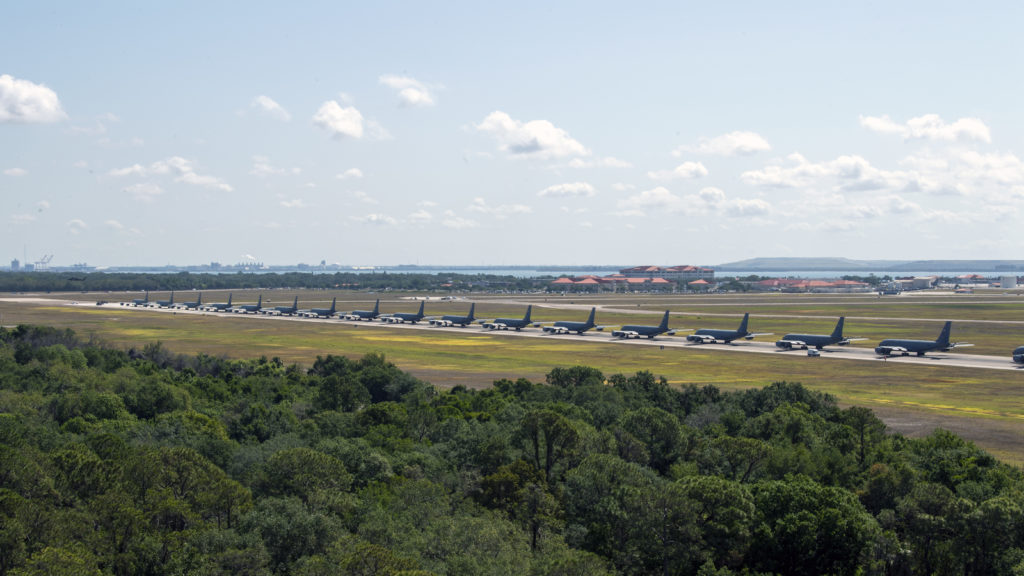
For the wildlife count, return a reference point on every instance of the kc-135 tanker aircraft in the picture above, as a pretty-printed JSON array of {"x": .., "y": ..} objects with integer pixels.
[{"x": 796, "y": 341}]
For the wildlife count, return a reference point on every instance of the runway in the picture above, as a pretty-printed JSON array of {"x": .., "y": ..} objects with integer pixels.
[{"x": 863, "y": 354}]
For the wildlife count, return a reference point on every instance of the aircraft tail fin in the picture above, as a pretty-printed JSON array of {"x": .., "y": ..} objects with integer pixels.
[
  {"x": 743, "y": 324},
  {"x": 944, "y": 336},
  {"x": 472, "y": 307},
  {"x": 199, "y": 300},
  {"x": 333, "y": 303},
  {"x": 376, "y": 307},
  {"x": 230, "y": 294},
  {"x": 172, "y": 296},
  {"x": 422, "y": 304},
  {"x": 664, "y": 321},
  {"x": 837, "y": 334},
  {"x": 526, "y": 318},
  {"x": 259, "y": 301},
  {"x": 590, "y": 320}
]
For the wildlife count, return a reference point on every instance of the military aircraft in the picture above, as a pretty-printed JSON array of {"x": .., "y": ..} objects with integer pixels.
[
  {"x": 249, "y": 308},
  {"x": 452, "y": 320},
  {"x": 219, "y": 306},
  {"x": 283, "y": 310},
  {"x": 898, "y": 347},
  {"x": 710, "y": 335},
  {"x": 320, "y": 312},
  {"x": 818, "y": 341},
  {"x": 191, "y": 305},
  {"x": 1018, "y": 355},
  {"x": 400, "y": 317},
  {"x": 367, "y": 315},
  {"x": 166, "y": 303},
  {"x": 648, "y": 331},
  {"x": 506, "y": 323},
  {"x": 565, "y": 326},
  {"x": 138, "y": 301}
]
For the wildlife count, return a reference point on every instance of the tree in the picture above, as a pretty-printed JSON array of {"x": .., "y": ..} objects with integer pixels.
[{"x": 550, "y": 438}]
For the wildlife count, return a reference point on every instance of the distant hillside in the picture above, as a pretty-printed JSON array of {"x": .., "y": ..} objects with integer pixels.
[
  {"x": 772, "y": 264},
  {"x": 848, "y": 265}
]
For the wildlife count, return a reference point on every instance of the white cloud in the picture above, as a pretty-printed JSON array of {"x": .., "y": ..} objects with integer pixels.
[
  {"x": 114, "y": 224},
  {"x": 569, "y": 189},
  {"x": 534, "y": 139},
  {"x": 708, "y": 201},
  {"x": 144, "y": 191},
  {"x": 623, "y": 187},
  {"x": 731, "y": 144},
  {"x": 351, "y": 173},
  {"x": 22, "y": 218},
  {"x": 76, "y": 226},
  {"x": 458, "y": 222},
  {"x": 15, "y": 172},
  {"x": 269, "y": 107},
  {"x": 293, "y": 203},
  {"x": 658, "y": 198},
  {"x": 501, "y": 212},
  {"x": 685, "y": 171},
  {"x": 364, "y": 197},
  {"x": 26, "y": 102},
  {"x": 377, "y": 219},
  {"x": 739, "y": 207},
  {"x": 607, "y": 162},
  {"x": 261, "y": 168},
  {"x": 845, "y": 173},
  {"x": 411, "y": 92},
  {"x": 420, "y": 217},
  {"x": 43, "y": 205},
  {"x": 182, "y": 168},
  {"x": 426, "y": 203},
  {"x": 930, "y": 127},
  {"x": 339, "y": 121}
]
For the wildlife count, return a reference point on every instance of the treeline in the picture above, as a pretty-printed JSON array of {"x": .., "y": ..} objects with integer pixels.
[
  {"x": 126, "y": 281},
  {"x": 148, "y": 462}
]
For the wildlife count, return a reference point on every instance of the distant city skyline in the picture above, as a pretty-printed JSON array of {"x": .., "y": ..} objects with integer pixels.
[{"x": 528, "y": 134}]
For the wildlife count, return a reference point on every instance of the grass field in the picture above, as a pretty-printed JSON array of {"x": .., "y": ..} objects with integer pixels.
[{"x": 986, "y": 406}]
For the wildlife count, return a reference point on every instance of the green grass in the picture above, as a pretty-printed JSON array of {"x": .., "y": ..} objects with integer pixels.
[{"x": 987, "y": 404}]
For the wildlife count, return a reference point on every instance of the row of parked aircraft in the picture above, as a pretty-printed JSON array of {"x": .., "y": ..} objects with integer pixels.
[{"x": 810, "y": 342}]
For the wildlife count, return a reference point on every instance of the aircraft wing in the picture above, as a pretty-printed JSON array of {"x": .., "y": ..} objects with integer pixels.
[
  {"x": 756, "y": 334},
  {"x": 960, "y": 345}
]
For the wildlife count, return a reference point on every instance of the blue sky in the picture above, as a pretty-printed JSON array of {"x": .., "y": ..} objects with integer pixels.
[{"x": 532, "y": 133}]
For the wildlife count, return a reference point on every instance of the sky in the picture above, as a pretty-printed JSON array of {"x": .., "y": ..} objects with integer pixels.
[{"x": 525, "y": 133}]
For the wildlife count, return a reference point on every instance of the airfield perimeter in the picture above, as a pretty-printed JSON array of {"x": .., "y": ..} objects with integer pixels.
[{"x": 977, "y": 394}]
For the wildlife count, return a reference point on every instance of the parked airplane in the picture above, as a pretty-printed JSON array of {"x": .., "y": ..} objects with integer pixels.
[
  {"x": 710, "y": 335},
  {"x": 400, "y": 317},
  {"x": 1018, "y": 355},
  {"x": 367, "y": 315},
  {"x": 166, "y": 303},
  {"x": 191, "y": 305},
  {"x": 818, "y": 341},
  {"x": 320, "y": 312},
  {"x": 897, "y": 347},
  {"x": 451, "y": 320},
  {"x": 648, "y": 331},
  {"x": 249, "y": 308},
  {"x": 284, "y": 310},
  {"x": 564, "y": 326},
  {"x": 219, "y": 306},
  {"x": 141, "y": 301},
  {"x": 516, "y": 323}
]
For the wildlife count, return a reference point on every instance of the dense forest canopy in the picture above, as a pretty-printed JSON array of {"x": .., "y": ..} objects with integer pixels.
[{"x": 148, "y": 462}]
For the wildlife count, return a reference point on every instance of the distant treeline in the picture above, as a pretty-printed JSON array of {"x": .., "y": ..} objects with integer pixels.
[
  {"x": 143, "y": 461},
  {"x": 125, "y": 281}
]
